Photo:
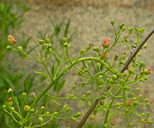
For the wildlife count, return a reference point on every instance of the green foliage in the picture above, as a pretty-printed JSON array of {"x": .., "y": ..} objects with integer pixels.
[{"x": 118, "y": 97}]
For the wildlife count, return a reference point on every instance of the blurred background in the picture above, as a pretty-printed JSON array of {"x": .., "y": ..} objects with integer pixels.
[{"x": 81, "y": 21}]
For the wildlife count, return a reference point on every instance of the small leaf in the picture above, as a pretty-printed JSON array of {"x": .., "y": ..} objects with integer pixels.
[
  {"x": 53, "y": 99},
  {"x": 43, "y": 74}
]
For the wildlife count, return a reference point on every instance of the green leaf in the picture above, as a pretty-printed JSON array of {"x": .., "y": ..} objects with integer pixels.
[
  {"x": 43, "y": 74},
  {"x": 52, "y": 99}
]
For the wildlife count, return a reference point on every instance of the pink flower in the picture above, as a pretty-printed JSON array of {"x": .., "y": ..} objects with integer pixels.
[
  {"x": 128, "y": 103},
  {"x": 106, "y": 43},
  {"x": 149, "y": 70},
  {"x": 106, "y": 55},
  {"x": 11, "y": 40},
  {"x": 112, "y": 122}
]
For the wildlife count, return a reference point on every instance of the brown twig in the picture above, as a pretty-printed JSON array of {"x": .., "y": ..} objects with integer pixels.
[{"x": 125, "y": 67}]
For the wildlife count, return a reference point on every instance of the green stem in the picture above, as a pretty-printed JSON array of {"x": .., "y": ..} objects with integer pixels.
[
  {"x": 124, "y": 100},
  {"x": 107, "y": 114},
  {"x": 59, "y": 76}
]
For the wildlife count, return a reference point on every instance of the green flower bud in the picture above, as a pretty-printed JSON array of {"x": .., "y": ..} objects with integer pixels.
[
  {"x": 47, "y": 40},
  {"x": 26, "y": 108},
  {"x": 67, "y": 109},
  {"x": 9, "y": 48},
  {"x": 10, "y": 90},
  {"x": 4, "y": 106},
  {"x": 40, "y": 119},
  {"x": 112, "y": 22},
  {"x": 148, "y": 104},
  {"x": 88, "y": 93},
  {"x": 24, "y": 94},
  {"x": 135, "y": 103},
  {"x": 114, "y": 77},
  {"x": 137, "y": 89},
  {"x": 74, "y": 86},
  {"x": 142, "y": 63},
  {"x": 88, "y": 48},
  {"x": 143, "y": 114},
  {"x": 65, "y": 44},
  {"x": 96, "y": 49},
  {"x": 148, "y": 113},
  {"x": 100, "y": 87},
  {"x": 104, "y": 125},
  {"x": 32, "y": 110},
  {"x": 83, "y": 83},
  {"x": 77, "y": 114},
  {"x": 55, "y": 113},
  {"x": 41, "y": 41},
  {"x": 42, "y": 108},
  {"x": 146, "y": 100},
  {"x": 64, "y": 40},
  {"x": 140, "y": 96},
  {"x": 82, "y": 51},
  {"x": 101, "y": 81},
  {"x": 116, "y": 57},
  {"x": 19, "y": 48},
  {"x": 68, "y": 47},
  {"x": 49, "y": 45},
  {"x": 89, "y": 63},
  {"x": 123, "y": 28}
]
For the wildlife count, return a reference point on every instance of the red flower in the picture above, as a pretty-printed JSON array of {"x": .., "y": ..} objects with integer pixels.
[
  {"x": 112, "y": 122},
  {"x": 106, "y": 43},
  {"x": 11, "y": 40},
  {"x": 149, "y": 70}
]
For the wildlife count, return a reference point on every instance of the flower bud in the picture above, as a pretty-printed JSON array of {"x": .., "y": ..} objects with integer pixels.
[
  {"x": 114, "y": 77},
  {"x": 49, "y": 45},
  {"x": 9, "y": 48},
  {"x": 64, "y": 40},
  {"x": 4, "y": 106},
  {"x": 123, "y": 28},
  {"x": 24, "y": 94},
  {"x": 74, "y": 86},
  {"x": 33, "y": 95},
  {"x": 82, "y": 51},
  {"x": 100, "y": 87},
  {"x": 38, "y": 54},
  {"x": 96, "y": 49},
  {"x": 41, "y": 41},
  {"x": 26, "y": 108},
  {"x": 67, "y": 109},
  {"x": 128, "y": 103},
  {"x": 115, "y": 57},
  {"x": 42, "y": 108},
  {"x": 112, "y": 22},
  {"x": 65, "y": 44},
  {"x": 11, "y": 40},
  {"x": 47, "y": 40},
  {"x": 88, "y": 93},
  {"x": 131, "y": 70},
  {"x": 112, "y": 122},
  {"x": 88, "y": 48},
  {"x": 10, "y": 90},
  {"x": 10, "y": 101},
  {"x": 106, "y": 43},
  {"x": 149, "y": 71},
  {"x": 40, "y": 119},
  {"x": 91, "y": 117}
]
